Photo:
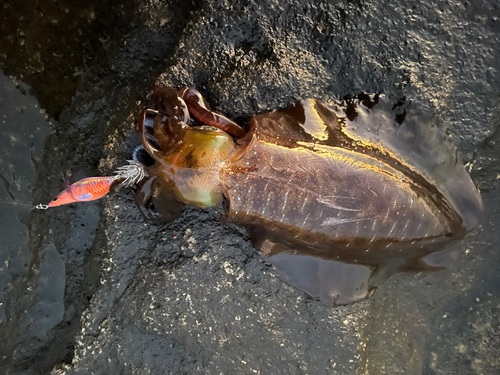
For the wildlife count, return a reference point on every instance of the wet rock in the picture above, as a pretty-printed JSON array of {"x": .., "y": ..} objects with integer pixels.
[{"x": 193, "y": 296}]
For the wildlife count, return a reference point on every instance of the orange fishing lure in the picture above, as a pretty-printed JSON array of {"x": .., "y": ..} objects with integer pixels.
[
  {"x": 92, "y": 188},
  {"x": 87, "y": 189}
]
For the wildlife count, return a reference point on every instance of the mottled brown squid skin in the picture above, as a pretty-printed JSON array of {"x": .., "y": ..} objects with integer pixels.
[
  {"x": 297, "y": 181},
  {"x": 332, "y": 198},
  {"x": 339, "y": 197}
]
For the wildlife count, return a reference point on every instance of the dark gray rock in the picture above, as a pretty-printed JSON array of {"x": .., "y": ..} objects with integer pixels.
[{"x": 192, "y": 296}]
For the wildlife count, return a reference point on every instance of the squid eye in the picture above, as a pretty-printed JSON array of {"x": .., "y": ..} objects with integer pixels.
[{"x": 140, "y": 155}]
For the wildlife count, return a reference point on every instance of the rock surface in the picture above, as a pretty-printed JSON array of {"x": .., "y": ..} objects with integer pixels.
[{"x": 192, "y": 296}]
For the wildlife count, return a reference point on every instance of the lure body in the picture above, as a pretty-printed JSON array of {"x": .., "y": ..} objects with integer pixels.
[
  {"x": 92, "y": 188},
  {"x": 87, "y": 189}
]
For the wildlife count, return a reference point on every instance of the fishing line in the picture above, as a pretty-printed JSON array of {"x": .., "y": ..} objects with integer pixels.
[{"x": 39, "y": 206}]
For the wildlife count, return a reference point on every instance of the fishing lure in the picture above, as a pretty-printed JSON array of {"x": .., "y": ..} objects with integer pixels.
[{"x": 92, "y": 188}]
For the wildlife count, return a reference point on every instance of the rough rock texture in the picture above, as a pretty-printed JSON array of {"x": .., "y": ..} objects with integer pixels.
[{"x": 192, "y": 296}]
